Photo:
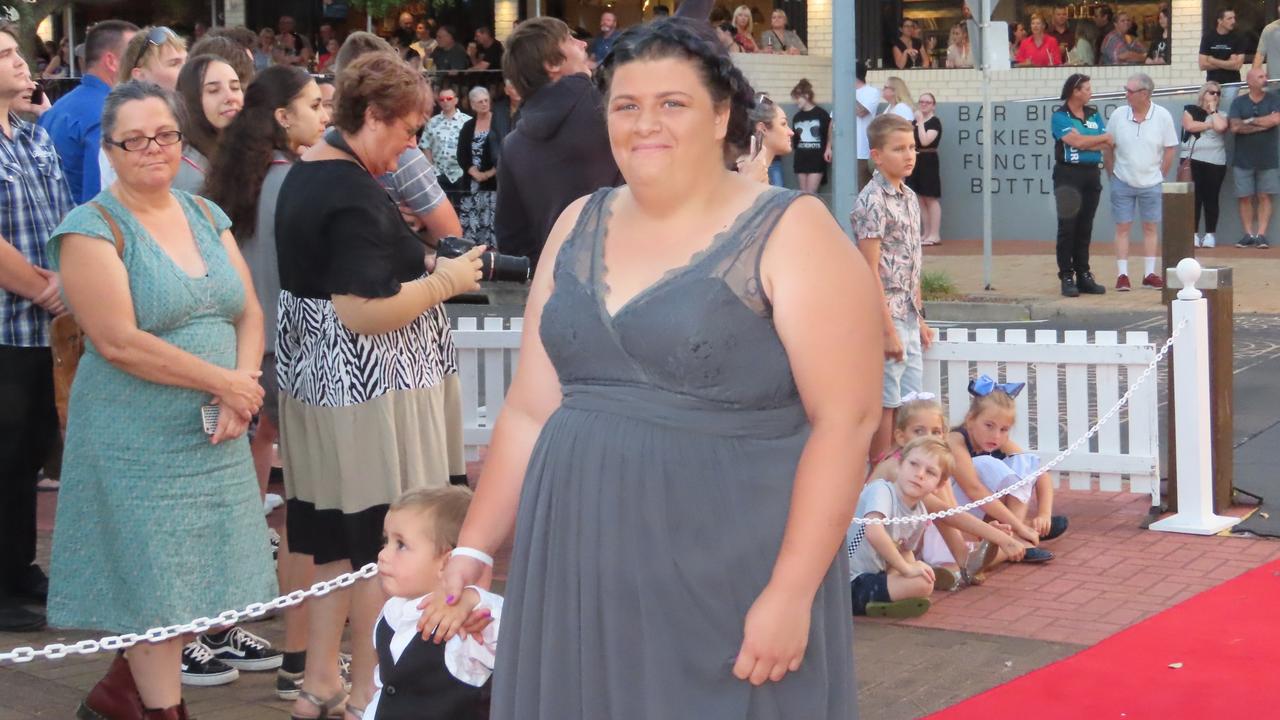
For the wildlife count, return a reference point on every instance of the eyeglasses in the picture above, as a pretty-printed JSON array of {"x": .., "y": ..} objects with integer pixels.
[
  {"x": 413, "y": 132},
  {"x": 142, "y": 142},
  {"x": 1213, "y": 92},
  {"x": 448, "y": 98},
  {"x": 1134, "y": 91}
]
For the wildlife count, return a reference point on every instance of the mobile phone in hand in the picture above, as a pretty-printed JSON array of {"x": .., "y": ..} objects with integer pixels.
[
  {"x": 209, "y": 418},
  {"x": 37, "y": 95}
]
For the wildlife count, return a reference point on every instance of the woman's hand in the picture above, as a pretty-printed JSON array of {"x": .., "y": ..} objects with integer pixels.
[
  {"x": 774, "y": 636},
  {"x": 462, "y": 273},
  {"x": 460, "y": 572},
  {"x": 240, "y": 393},
  {"x": 230, "y": 426}
]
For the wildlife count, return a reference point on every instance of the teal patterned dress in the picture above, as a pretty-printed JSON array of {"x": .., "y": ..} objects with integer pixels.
[{"x": 155, "y": 524}]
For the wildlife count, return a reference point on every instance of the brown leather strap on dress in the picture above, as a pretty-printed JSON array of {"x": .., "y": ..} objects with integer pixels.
[
  {"x": 208, "y": 214},
  {"x": 116, "y": 235}
]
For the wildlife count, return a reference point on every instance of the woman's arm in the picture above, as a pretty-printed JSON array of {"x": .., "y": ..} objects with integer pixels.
[
  {"x": 376, "y": 316},
  {"x": 1220, "y": 123},
  {"x": 899, "y": 57},
  {"x": 927, "y": 135},
  {"x": 807, "y": 266},
  {"x": 97, "y": 287}
]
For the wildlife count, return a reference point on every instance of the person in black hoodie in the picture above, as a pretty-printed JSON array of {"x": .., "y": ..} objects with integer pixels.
[{"x": 559, "y": 151}]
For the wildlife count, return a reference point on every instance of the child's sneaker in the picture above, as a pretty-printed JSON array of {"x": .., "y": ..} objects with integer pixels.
[
  {"x": 1198, "y": 240},
  {"x": 944, "y": 578},
  {"x": 899, "y": 609},
  {"x": 243, "y": 650},
  {"x": 201, "y": 669},
  {"x": 1209, "y": 241},
  {"x": 1057, "y": 526},
  {"x": 1035, "y": 555}
]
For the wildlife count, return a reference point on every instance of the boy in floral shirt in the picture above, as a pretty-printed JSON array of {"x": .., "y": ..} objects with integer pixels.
[{"x": 886, "y": 225}]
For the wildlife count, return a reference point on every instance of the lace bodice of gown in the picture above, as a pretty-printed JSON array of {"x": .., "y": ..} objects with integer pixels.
[{"x": 704, "y": 330}]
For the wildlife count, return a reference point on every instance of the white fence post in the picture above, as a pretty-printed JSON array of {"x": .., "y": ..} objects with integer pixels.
[{"x": 1191, "y": 413}]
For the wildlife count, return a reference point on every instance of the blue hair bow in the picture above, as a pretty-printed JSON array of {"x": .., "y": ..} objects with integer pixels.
[{"x": 983, "y": 385}]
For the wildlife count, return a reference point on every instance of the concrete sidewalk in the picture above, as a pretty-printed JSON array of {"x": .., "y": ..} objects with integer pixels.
[{"x": 1024, "y": 272}]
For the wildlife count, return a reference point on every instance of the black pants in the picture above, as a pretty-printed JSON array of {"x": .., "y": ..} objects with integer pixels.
[
  {"x": 1208, "y": 181},
  {"x": 28, "y": 427},
  {"x": 455, "y": 191},
  {"x": 1076, "y": 189}
]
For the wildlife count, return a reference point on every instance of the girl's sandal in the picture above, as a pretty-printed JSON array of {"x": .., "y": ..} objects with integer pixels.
[
  {"x": 335, "y": 703},
  {"x": 898, "y": 609}
]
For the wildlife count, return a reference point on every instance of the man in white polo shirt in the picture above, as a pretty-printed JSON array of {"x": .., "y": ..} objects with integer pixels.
[{"x": 1145, "y": 145}]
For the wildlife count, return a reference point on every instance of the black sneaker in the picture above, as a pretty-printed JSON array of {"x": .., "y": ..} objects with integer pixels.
[
  {"x": 243, "y": 650},
  {"x": 1260, "y": 242},
  {"x": 201, "y": 669},
  {"x": 1247, "y": 241},
  {"x": 1069, "y": 287},
  {"x": 1089, "y": 286},
  {"x": 15, "y": 618}
]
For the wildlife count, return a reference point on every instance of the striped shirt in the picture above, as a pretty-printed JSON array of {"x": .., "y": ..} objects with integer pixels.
[
  {"x": 414, "y": 182},
  {"x": 34, "y": 197}
]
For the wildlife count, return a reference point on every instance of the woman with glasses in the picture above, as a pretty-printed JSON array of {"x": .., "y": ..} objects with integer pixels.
[
  {"x": 155, "y": 447},
  {"x": 210, "y": 89},
  {"x": 1080, "y": 137},
  {"x": 908, "y": 49},
  {"x": 1204, "y": 132},
  {"x": 364, "y": 407},
  {"x": 926, "y": 179}
]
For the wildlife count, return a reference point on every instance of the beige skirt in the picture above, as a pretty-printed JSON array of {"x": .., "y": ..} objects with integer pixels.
[{"x": 343, "y": 466}]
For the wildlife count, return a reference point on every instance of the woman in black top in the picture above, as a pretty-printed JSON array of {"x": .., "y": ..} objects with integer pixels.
[
  {"x": 1158, "y": 53},
  {"x": 479, "y": 149},
  {"x": 908, "y": 49},
  {"x": 926, "y": 179},
  {"x": 361, "y": 357},
  {"x": 810, "y": 140}
]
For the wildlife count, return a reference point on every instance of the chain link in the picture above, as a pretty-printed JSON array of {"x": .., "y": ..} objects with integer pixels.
[
  {"x": 56, "y": 651},
  {"x": 1032, "y": 476}
]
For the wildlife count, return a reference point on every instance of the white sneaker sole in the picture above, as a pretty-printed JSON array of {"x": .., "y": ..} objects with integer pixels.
[
  {"x": 210, "y": 679},
  {"x": 259, "y": 665}
]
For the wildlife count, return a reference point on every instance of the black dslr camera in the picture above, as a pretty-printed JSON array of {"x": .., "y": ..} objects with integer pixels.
[{"x": 493, "y": 265}]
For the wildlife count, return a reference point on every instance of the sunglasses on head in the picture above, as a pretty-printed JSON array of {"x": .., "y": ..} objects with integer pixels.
[{"x": 160, "y": 35}]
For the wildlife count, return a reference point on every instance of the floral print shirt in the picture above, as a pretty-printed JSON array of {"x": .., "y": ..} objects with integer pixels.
[
  {"x": 441, "y": 138},
  {"x": 893, "y": 216}
]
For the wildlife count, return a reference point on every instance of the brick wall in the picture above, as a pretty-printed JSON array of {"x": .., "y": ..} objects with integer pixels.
[{"x": 777, "y": 74}]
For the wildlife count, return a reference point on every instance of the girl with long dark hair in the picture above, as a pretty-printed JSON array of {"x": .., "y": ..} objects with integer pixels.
[
  {"x": 212, "y": 97},
  {"x": 283, "y": 115}
]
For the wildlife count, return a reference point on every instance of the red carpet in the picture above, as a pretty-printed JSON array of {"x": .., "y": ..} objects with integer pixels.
[{"x": 1228, "y": 643}]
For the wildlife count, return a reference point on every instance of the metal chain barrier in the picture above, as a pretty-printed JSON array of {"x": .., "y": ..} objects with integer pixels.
[
  {"x": 56, "y": 651},
  {"x": 1032, "y": 476}
]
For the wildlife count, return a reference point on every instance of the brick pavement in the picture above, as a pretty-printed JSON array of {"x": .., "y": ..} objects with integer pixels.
[{"x": 1109, "y": 574}]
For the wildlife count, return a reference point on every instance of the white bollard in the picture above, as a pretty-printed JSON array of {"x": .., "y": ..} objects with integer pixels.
[{"x": 1191, "y": 417}]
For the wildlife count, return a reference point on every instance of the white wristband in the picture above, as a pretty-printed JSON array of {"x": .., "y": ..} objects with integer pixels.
[{"x": 480, "y": 555}]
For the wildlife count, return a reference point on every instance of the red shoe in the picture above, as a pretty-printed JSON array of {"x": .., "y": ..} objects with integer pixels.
[
  {"x": 115, "y": 697},
  {"x": 1152, "y": 281},
  {"x": 1122, "y": 283}
]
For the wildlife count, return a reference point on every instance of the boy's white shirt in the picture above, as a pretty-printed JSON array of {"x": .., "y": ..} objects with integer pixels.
[{"x": 470, "y": 660}]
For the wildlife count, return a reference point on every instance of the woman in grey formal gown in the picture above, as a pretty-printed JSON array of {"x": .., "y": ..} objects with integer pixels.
[{"x": 681, "y": 448}]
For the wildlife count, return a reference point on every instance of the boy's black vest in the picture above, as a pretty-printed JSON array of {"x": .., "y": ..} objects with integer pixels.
[{"x": 420, "y": 686}]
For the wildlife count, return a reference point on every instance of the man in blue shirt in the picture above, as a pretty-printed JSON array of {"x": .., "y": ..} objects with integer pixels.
[
  {"x": 604, "y": 43},
  {"x": 74, "y": 123},
  {"x": 33, "y": 199}
]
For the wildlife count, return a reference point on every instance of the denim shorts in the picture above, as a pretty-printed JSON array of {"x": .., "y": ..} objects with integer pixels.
[
  {"x": 1250, "y": 182},
  {"x": 901, "y": 378},
  {"x": 869, "y": 587},
  {"x": 1129, "y": 203}
]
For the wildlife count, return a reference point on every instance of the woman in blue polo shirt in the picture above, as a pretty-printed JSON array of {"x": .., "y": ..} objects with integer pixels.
[{"x": 1079, "y": 135}]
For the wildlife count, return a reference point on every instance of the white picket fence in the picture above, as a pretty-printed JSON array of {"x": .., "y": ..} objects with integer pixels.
[{"x": 1069, "y": 382}]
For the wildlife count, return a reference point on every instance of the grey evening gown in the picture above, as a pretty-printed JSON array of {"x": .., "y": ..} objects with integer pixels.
[{"x": 656, "y": 499}]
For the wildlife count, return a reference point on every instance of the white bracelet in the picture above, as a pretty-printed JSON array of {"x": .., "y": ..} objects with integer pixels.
[{"x": 480, "y": 555}]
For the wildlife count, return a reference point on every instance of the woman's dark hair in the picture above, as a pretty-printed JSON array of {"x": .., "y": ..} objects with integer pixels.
[
  {"x": 228, "y": 51},
  {"x": 803, "y": 89},
  {"x": 696, "y": 42},
  {"x": 1074, "y": 81},
  {"x": 245, "y": 151},
  {"x": 197, "y": 130}
]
